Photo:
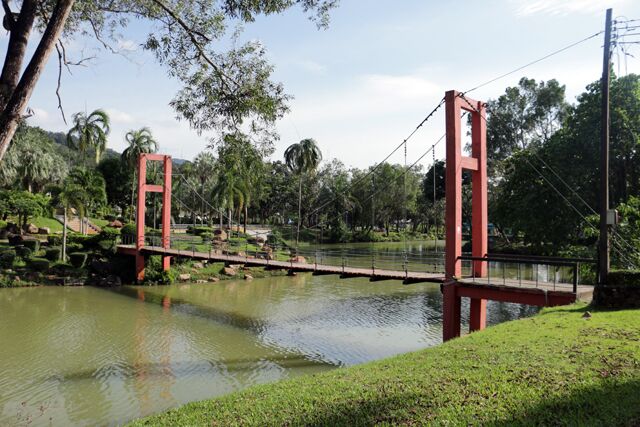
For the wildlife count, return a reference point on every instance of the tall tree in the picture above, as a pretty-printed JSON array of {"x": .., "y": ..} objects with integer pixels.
[
  {"x": 94, "y": 193},
  {"x": 301, "y": 158},
  {"x": 90, "y": 132},
  {"x": 221, "y": 89},
  {"x": 139, "y": 142}
]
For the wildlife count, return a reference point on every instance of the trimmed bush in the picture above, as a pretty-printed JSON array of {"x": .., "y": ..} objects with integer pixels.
[
  {"x": 33, "y": 244},
  {"x": 38, "y": 264},
  {"x": 23, "y": 252},
  {"x": 128, "y": 229},
  {"x": 206, "y": 236},
  {"x": 7, "y": 258},
  {"x": 78, "y": 259},
  {"x": 53, "y": 254},
  {"x": 109, "y": 233},
  {"x": 626, "y": 278},
  {"x": 3, "y": 224},
  {"x": 54, "y": 240},
  {"x": 74, "y": 247},
  {"x": 198, "y": 231}
]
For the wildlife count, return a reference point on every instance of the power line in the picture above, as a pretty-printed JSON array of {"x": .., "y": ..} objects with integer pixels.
[{"x": 534, "y": 62}]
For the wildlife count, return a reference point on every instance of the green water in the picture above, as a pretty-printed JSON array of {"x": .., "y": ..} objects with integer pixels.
[{"x": 88, "y": 356}]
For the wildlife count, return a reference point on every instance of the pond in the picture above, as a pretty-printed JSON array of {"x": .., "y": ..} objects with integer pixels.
[{"x": 78, "y": 356}]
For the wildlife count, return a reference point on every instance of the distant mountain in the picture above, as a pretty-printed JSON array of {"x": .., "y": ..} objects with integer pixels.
[{"x": 61, "y": 138}]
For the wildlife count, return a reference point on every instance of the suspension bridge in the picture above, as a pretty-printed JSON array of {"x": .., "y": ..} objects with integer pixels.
[{"x": 479, "y": 276}]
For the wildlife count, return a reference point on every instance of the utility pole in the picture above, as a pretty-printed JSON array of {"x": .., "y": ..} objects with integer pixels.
[{"x": 603, "y": 247}]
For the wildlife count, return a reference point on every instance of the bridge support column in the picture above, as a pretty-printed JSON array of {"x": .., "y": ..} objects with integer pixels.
[
  {"x": 143, "y": 189},
  {"x": 450, "y": 312},
  {"x": 478, "y": 314}
]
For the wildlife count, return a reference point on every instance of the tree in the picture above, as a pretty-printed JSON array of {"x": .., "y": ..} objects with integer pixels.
[
  {"x": 139, "y": 142},
  {"x": 118, "y": 177},
  {"x": 32, "y": 162},
  {"x": 70, "y": 196},
  {"x": 203, "y": 171},
  {"x": 90, "y": 132},
  {"x": 525, "y": 116},
  {"x": 302, "y": 157},
  {"x": 94, "y": 193},
  {"x": 221, "y": 90}
]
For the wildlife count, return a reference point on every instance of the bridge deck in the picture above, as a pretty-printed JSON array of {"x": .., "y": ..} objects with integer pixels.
[{"x": 509, "y": 290}]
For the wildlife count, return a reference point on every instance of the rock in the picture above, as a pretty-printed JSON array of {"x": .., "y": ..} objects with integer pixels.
[
  {"x": 586, "y": 315},
  {"x": 237, "y": 266},
  {"x": 201, "y": 281},
  {"x": 219, "y": 234},
  {"x": 115, "y": 224},
  {"x": 17, "y": 279},
  {"x": 260, "y": 240},
  {"x": 109, "y": 281},
  {"x": 214, "y": 279},
  {"x": 44, "y": 230},
  {"x": 30, "y": 228},
  {"x": 197, "y": 265},
  {"x": 184, "y": 277},
  {"x": 229, "y": 271},
  {"x": 299, "y": 258},
  {"x": 248, "y": 277}
]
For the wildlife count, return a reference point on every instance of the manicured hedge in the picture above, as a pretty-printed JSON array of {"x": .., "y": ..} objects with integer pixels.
[
  {"x": 23, "y": 252},
  {"x": 52, "y": 254},
  {"x": 78, "y": 259},
  {"x": 624, "y": 278},
  {"x": 33, "y": 244},
  {"x": 39, "y": 264},
  {"x": 7, "y": 258}
]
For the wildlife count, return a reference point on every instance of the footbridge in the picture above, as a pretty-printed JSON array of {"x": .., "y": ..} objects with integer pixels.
[{"x": 478, "y": 275}]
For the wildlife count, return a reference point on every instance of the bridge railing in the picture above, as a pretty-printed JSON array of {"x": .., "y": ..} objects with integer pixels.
[{"x": 561, "y": 273}]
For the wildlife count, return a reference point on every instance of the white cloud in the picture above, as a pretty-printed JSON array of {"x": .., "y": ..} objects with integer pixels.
[
  {"x": 562, "y": 7},
  {"x": 40, "y": 115},
  {"x": 118, "y": 116},
  {"x": 311, "y": 66}
]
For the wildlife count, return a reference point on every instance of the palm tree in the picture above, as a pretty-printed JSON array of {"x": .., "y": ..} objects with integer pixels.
[
  {"x": 93, "y": 192},
  {"x": 90, "y": 131},
  {"x": 303, "y": 157},
  {"x": 230, "y": 192},
  {"x": 203, "y": 170},
  {"x": 72, "y": 196},
  {"x": 139, "y": 142}
]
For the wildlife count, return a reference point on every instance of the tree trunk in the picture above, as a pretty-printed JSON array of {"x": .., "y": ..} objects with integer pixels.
[
  {"x": 17, "y": 103},
  {"x": 220, "y": 217},
  {"x": 246, "y": 211},
  {"x": 64, "y": 236},
  {"x": 133, "y": 190},
  {"x": 299, "y": 210},
  {"x": 16, "y": 49}
]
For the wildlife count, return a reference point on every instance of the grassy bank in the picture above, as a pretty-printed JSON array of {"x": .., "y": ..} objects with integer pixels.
[{"x": 557, "y": 368}]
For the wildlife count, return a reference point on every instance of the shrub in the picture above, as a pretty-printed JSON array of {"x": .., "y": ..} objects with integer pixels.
[
  {"x": 128, "y": 229},
  {"x": 626, "y": 278},
  {"x": 38, "y": 264},
  {"x": 3, "y": 224},
  {"x": 78, "y": 259},
  {"x": 74, "y": 247},
  {"x": 23, "y": 252},
  {"x": 52, "y": 254},
  {"x": 7, "y": 258},
  {"x": 206, "y": 236},
  {"x": 199, "y": 230},
  {"x": 54, "y": 240},
  {"x": 109, "y": 233},
  {"x": 33, "y": 244}
]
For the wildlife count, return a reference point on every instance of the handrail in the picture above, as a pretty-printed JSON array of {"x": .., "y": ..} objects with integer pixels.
[{"x": 543, "y": 258}]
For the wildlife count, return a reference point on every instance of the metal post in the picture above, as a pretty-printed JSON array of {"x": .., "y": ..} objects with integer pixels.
[
  {"x": 603, "y": 247},
  {"x": 575, "y": 277}
]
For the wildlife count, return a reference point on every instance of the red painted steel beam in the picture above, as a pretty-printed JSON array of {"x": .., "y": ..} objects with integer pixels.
[
  {"x": 166, "y": 211},
  {"x": 535, "y": 297},
  {"x": 450, "y": 312},
  {"x": 469, "y": 163},
  {"x": 153, "y": 188},
  {"x": 479, "y": 190},
  {"x": 453, "y": 186},
  {"x": 477, "y": 314},
  {"x": 155, "y": 157}
]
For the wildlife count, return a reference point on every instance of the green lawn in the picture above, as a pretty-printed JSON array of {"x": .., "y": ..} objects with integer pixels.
[
  {"x": 53, "y": 224},
  {"x": 553, "y": 369}
]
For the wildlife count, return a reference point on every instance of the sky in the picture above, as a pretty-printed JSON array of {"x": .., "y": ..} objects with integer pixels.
[{"x": 364, "y": 83}]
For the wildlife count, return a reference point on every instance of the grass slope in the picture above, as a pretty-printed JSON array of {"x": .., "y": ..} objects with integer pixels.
[{"x": 553, "y": 369}]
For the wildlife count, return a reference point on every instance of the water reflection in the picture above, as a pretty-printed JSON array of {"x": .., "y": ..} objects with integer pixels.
[{"x": 76, "y": 356}]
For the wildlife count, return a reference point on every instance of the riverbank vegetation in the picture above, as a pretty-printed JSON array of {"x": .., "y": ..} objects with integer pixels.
[{"x": 563, "y": 367}]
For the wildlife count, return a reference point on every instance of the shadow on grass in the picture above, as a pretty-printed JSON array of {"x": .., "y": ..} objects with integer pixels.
[{"x": 612, "y": 403}]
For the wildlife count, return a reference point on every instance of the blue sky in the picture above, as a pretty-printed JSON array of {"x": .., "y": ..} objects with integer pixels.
[{"x": 364, "y": 83}]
